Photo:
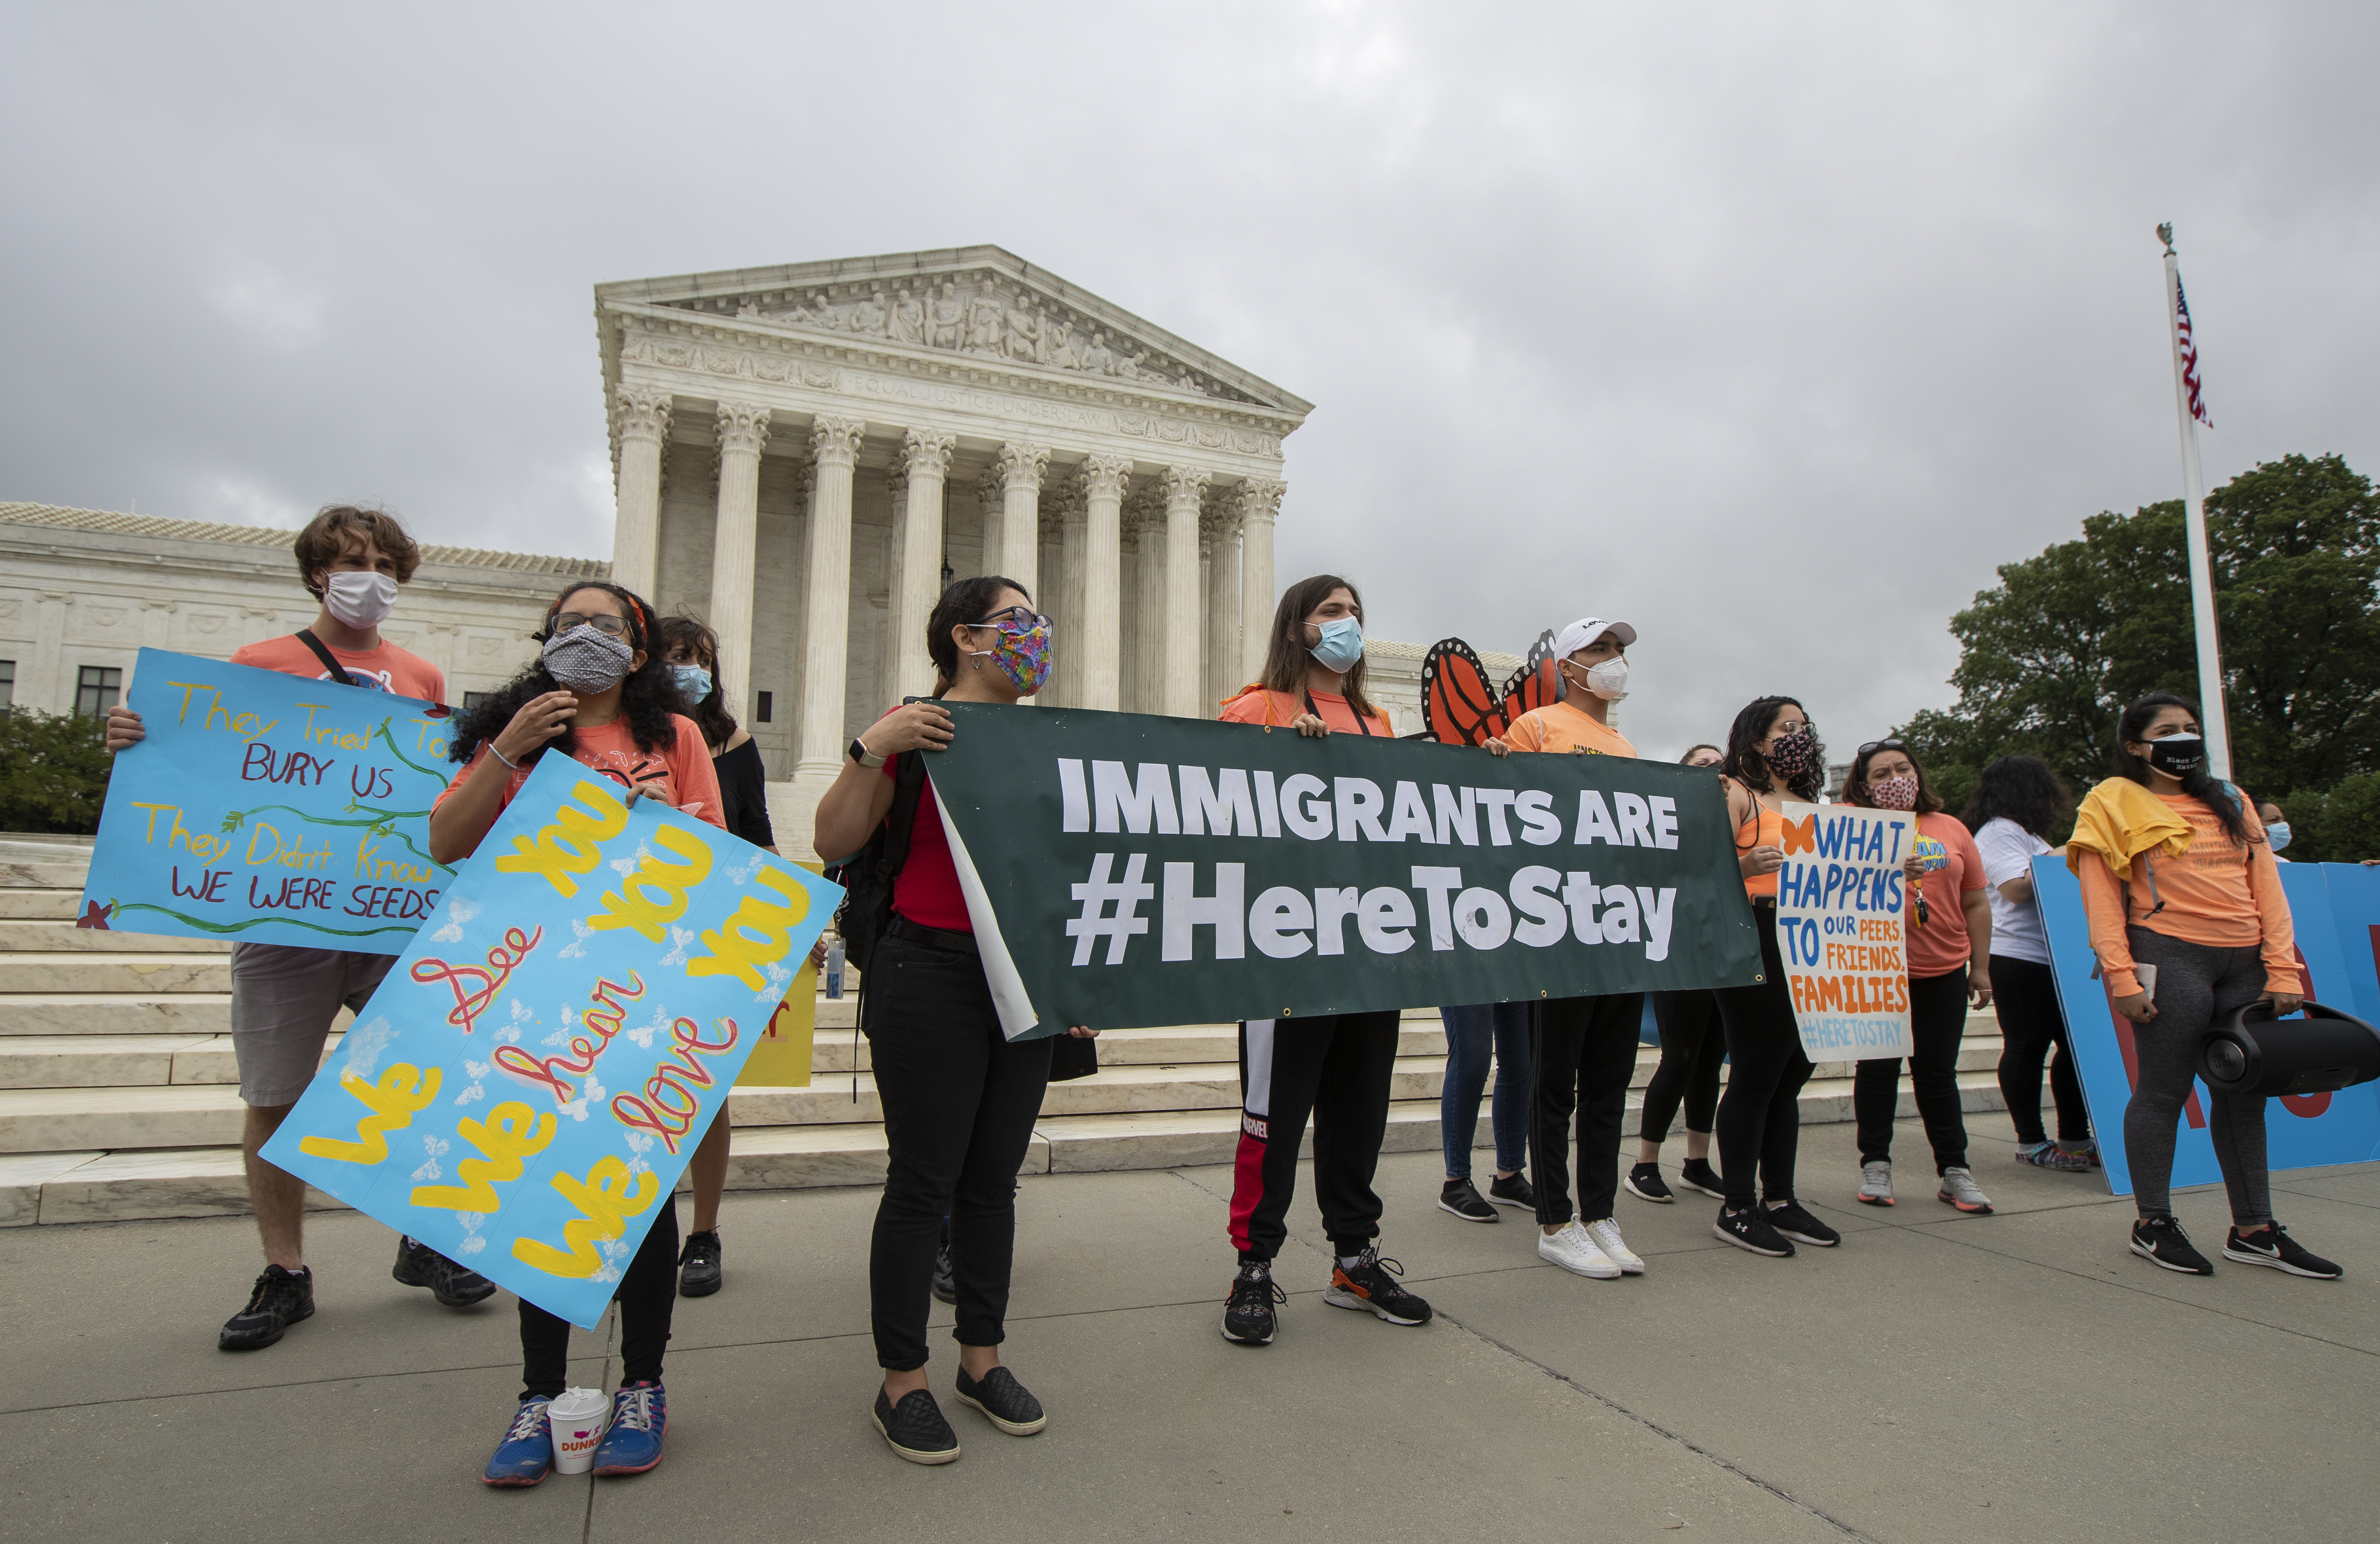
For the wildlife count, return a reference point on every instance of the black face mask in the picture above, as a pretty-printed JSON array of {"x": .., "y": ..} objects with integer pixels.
[{"x": 2178, "y": 755}]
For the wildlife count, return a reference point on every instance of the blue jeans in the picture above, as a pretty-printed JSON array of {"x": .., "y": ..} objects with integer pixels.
[{"x": 1471, "y": 1033}]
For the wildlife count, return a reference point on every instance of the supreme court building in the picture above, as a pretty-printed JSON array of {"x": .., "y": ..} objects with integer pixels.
[{"x": 805, "y": 454}]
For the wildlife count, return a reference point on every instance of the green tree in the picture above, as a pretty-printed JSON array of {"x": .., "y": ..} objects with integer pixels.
[
  {"x": 53, "y": 772},
  {"x": 2049, "y": 656}
]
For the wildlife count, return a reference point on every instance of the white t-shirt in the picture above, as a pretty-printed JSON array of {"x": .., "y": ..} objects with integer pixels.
[{"x": 2009, "y": 850}]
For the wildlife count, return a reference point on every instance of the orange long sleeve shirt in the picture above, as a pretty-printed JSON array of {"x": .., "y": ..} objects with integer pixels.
[{"x": 2217, "y": 894}]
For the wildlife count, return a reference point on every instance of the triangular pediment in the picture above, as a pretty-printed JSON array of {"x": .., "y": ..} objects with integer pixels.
[{"x": 982, "y": 303}]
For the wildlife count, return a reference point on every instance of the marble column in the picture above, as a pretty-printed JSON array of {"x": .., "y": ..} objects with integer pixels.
[
  {"x": 641, "y": 420},
  {"x": 1185, "y": 488},
  {"x": 734, "y": 544},
  {"x": 1098, "y": 673},
  {"x": 1219, "y": 532},
  {"x": 1148, "y": 634},
  {"x": 1019, "y": 468},
  {"x": 888, "y": 654},
  {"x": 988, "y": 500},
  {"x": 917, "y": 560},
  {"x": 834, "y": 447},
  {"x": 1073, "y": 525},
  {"x": 1260, "y": 502}
]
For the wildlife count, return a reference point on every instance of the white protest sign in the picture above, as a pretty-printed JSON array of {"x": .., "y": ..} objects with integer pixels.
[{"x": 1842, "y": 904}]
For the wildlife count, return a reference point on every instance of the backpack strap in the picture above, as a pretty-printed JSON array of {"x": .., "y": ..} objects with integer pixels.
[
  {"x": 908, "y": 787},
  {"x": 329, "y": 663}
]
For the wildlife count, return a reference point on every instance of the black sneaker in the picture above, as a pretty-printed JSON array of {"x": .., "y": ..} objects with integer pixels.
[
  {"x": 2271, "y": 1244},
  {"x": 1696, "y": 1174},
  {"x": 281, "y": 1299},
  {"x": 946, "y": 1283},
  {"x": 1514, "y": 1190},
  {"x": 2160, "y": 1240},
  {"x": 1460, "y": 1197},
  {"x": 1646, "y": 1183},
  {"x": 419, "y": 1265},
  {"x": 1370, "y": 1284},
  {"x": 700, "y": 1273},
  {"x": 1749, "y": 1230},
  {"x": 914, "y": 1429},
  {"x": 1004, "y": 1402},
  {"x": 1793, "y": 1220},
  {"x": 1247, "y": 1315}
]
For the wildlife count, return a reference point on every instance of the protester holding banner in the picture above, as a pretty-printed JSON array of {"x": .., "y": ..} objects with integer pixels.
[
  {"x": 1582, "y": 1050},
  {"x": 1773, "y": 754},
  {"x": 2018, "y": 811},
  {"x": 1950, "y": 954},
  {"x": 1337, "y": 1067},
  {"x": 2178, "y": 877},
  {"x": 284, "y": 998},
  {"x": 600, "y": 694},
  {"x": 1694, "y": 1044},
  {"x": 960, "y": 1098}
]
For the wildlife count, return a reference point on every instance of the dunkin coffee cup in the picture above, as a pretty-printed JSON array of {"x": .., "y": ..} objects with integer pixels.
[{"x": 577, "y": 1418}]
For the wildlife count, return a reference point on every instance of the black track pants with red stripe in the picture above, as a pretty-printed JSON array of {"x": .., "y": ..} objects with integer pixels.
[{"x": 1337, "y": 1068}]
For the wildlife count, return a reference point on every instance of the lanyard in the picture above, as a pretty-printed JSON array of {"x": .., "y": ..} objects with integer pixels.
[{"x": 1360, "y": 722}]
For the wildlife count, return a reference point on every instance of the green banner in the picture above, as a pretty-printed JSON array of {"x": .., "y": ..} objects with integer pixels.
[{"x": 1124, "y": 870}]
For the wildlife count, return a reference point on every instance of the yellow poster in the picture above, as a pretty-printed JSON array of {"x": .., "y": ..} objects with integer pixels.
[{"x": 782, "y": 1060}]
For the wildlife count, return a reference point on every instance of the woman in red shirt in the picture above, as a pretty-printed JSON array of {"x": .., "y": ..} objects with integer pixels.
[{"x": 1950, "y": 968}]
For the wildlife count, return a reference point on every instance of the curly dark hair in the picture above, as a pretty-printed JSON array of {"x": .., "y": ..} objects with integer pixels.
[
  {"x": 2023, "y": 789},
  {"x": 964, "y": 601},
  {"x": 1855, "y": 788},
  {"x": 2199, "y": 782},
  {"x": 649, "y": 698},
  {"x": 1748, "y": 767},
  {"x": 684, "y": 630}
]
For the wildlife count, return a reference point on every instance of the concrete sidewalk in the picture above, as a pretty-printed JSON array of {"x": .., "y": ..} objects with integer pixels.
[{"x": 2016, "y": 1378}]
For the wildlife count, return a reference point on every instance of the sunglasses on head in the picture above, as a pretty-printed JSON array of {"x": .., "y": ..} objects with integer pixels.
[{"x": 1874, "y": 746}]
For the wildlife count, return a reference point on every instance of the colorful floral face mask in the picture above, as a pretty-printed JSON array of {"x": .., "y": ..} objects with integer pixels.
[{"x": 1022, "y": 657}]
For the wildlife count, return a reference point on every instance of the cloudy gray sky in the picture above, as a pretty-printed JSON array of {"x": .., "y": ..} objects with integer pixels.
[{"x": 1770, "y": 328}]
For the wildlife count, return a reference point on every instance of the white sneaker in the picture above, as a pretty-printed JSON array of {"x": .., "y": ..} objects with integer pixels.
[
  {"x": 1577, "y": 1253},
  {"x": 1959, "y": 1189},
  {"x": 1876, "y": 1184},
  {"x": 1606, "y": 1234}
]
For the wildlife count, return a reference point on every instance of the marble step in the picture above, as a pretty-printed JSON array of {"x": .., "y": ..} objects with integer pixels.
[
  {"x": 45, "y": 906},
  {"x": 140, "y": 975},
  {"x": 119, "y": 1186},
  {"x": 59, "y": 1120},
  {"x": 112, "y": 1013},
  {"x": 42, "y": 873},
  {"x": 20, "y": 936}
]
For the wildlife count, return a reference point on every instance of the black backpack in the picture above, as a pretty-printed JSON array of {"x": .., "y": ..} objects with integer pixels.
[{"x": 866, "y": 875}]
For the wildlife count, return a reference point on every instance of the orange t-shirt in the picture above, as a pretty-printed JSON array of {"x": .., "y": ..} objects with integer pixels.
[
  {"x": 1942, "y": 945},
  {"x": 1562, "y": 726},
  {"x": 680, "y": 776},
  {"x": 2217, "y": 894},
  {"x": 386, "y": 668},
  {"x": 1767, "y": 830},
  {"x": 1280, "y": 709}
]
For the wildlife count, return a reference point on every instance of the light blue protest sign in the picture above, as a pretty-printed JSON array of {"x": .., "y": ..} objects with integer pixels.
[
  {"x": 268, "y": 809},
  {"x": 527, "y": 1083},
  {"x": 2302, "y": 1131}
]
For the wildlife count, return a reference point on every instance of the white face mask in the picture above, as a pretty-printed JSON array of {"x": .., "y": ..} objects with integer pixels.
[
  {"x": 359, "y": 599},
  {"x": 1608, "y": 678}
]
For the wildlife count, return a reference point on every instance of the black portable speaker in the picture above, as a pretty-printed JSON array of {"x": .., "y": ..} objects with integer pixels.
[{"x": 2257, "y": 1054}]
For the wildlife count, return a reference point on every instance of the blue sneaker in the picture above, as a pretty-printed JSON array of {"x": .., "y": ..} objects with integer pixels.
[
  {"x": 526, "y": 1455},
  {"x": 639, "y": 1415}
]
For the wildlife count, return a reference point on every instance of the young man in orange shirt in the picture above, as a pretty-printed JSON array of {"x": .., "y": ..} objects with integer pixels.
[
  {"x": 284, "y": 999},
  {"x": 1582, "y": 1050}
]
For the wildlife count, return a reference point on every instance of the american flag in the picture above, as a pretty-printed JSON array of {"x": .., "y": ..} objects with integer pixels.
[{"x": 2190, "y": 385}]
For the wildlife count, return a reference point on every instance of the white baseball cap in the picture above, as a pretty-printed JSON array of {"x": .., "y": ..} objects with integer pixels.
[{"x": 1585, "y": 630}]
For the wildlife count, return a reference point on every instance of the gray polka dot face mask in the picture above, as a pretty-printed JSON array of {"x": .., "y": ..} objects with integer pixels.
[{"x": 585, "y": 659}]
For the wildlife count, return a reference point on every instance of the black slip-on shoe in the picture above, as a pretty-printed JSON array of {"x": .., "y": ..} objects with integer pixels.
[
  {"x": 1696, "y": 1174},
  {"x": 1004, "y": 1401},
  {"x": 1791, "y": 1218},
  {"x": 1461, "y": 1198},
  {"x": 914, "y": 1429},
  {"x": 1514, "y": 1190},
  {"x": 2271, "y": 1244},
  {"x": 1748, "y": 1230},
  {"x": 2160, "y": 1240},
  {"x": 419, "y": 1265},
  {"x": 1646, "y": 1183},
  {"x": 1249, "y": 1317},
  {"x": 700, "y": 1270},
  {"x": 280, "y": 1299}
]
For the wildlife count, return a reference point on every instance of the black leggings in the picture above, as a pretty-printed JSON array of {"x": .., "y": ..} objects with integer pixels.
[
  {"x": 2197, "y": 987},
  {"x": 1760, "y": 1114},
  {"x": 960, "y": 1100},
  {"x": 2024, "y": 996},
  {"x": 648, "y": 1293},
  {"x": 1692, "y": 1045},
  {"x": 1937, "y": 1020}
]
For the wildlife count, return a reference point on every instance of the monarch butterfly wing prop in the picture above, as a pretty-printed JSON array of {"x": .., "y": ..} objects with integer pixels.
[
  {"x": 1458, "y": 706},
  {"x": 1536, "y": 683}
]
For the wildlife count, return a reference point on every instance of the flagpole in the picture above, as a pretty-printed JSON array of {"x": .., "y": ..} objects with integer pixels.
[{"x": 2214, "y": 722}]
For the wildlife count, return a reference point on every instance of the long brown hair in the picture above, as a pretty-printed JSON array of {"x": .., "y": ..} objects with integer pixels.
[
  {"x": 1287, "y": 656},
  {"x": 689, "y": 632}
]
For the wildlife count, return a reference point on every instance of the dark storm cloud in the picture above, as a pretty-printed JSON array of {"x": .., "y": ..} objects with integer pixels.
[{"x": 1771, "y": 328}]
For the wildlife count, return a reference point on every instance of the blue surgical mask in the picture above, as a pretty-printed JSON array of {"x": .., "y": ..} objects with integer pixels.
[
  {"x": 693, "y": 682},
  {"x": 1342, "y": 644},
  {"x": 2278, "y": 833}
]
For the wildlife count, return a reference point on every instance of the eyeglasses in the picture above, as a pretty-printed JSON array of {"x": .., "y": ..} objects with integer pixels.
[
  {"x": 1016, "y": 619},
  {"x": 1874, "y": 746},
  {"x": 601, "y": 622}
]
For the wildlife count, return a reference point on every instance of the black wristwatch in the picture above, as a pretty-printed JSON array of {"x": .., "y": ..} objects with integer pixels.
[{"x": 864, "y": 757}]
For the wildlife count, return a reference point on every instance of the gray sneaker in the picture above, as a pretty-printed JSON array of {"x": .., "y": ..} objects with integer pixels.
[
  {"x": 1876, "y": 1184},
  {"x": 1958, "y": 1191}
]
